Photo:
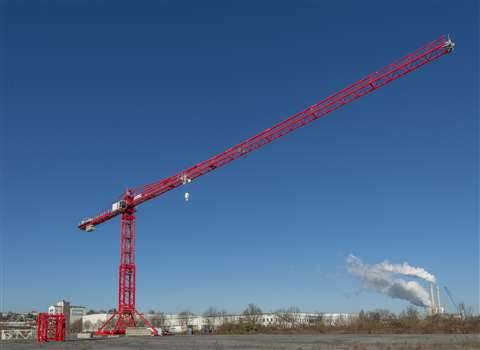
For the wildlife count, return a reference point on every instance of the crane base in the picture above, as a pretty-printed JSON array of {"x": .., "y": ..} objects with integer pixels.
[{"x": 124, "y": 320}]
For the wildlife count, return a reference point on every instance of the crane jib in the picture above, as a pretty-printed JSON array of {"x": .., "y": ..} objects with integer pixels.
[{"x": 418, "y": 58}]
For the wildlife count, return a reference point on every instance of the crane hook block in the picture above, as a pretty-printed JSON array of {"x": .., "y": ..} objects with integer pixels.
[{"x": 450, "y": 45}]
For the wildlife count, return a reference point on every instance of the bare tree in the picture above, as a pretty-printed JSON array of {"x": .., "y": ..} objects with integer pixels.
[
  {"x": 411, "y": 314},
  {"x": 211, "y": 315},
  {"x": 158, "y": 319},
  {"x": 281, "y": 318},
  {"x": 468, "y": 311},
  {"x": 317, "y": 320},
  {"x": 252, "y": 313},
  {"x": 223, "y": 316},
  {"x": 211, "y": 311},
  {"x": 185, "y": 317},
  {"x": 287, "y": 317},
  {"x": 293, "y": 313},
  {"x": 87, "y": 326},
  {"x": 76, "y": 326}
]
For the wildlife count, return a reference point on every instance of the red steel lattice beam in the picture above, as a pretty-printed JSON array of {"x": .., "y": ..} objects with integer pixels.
[{"x": 425, "y": 54}]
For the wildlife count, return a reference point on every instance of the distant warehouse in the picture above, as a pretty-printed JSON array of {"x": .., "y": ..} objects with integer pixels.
[{"x": 176, "y": 323}]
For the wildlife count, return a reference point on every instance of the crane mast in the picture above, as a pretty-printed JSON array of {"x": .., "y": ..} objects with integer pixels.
[
  {"x": 460, "y": 308},
  {"x": 132, "y": 198}
]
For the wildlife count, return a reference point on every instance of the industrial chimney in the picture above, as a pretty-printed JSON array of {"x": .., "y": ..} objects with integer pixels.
[
  {"x": 432, "y": 300},
  {"x": 439, "y": 305}
]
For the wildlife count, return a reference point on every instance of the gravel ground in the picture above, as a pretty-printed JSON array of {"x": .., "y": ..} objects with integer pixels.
[{"x": 270, "y": 342}]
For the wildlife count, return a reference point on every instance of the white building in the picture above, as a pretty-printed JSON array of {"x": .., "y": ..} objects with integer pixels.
[
  {"x": 77, "y": 312},
  {"x": 180, "y": 323},
  {"x": 72, "y": 313}
]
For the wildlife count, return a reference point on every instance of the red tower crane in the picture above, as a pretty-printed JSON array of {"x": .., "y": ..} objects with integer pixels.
[{"x": 132, "y": 198}]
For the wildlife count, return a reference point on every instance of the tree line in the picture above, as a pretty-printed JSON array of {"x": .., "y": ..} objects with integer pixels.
[{"x": 291, "y": 320}]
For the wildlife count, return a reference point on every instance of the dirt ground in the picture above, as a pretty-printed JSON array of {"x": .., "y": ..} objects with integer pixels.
[{"x": 267, "y": 342}]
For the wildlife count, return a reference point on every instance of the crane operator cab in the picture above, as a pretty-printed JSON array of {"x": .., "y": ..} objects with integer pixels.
[{"x": 119, "y": 206}]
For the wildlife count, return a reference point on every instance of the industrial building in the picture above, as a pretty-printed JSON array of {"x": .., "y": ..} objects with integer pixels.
[
  {"x": 180, "y": 323},
  {"x": 72, "y": 313}
]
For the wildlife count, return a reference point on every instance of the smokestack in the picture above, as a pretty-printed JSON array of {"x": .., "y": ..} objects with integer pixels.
[
  {"x": 439, "y": 305},
  {"x": 432, "y": 300}
]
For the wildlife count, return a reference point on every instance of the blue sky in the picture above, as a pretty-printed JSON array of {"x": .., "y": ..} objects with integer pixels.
[{"x": 105, "y": 95}]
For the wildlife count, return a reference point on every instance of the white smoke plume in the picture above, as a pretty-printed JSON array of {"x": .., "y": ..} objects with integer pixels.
[
  {"x": 407, "y": 270},
  {"x": 381, "y": 278}
]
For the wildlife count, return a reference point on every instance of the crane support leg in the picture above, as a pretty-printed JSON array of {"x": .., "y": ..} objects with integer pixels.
[{"x": 126, "y": 277}]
